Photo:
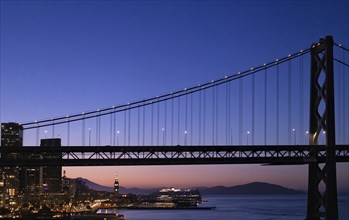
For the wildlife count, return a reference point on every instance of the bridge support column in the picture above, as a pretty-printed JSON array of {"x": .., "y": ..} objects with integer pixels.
[{"x": 322, "y": 183}]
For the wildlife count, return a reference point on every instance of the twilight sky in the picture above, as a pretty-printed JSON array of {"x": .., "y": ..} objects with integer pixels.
[{"x": 63, "y": 57}]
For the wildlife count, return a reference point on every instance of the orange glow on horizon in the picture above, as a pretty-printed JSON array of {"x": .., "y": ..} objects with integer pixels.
[{"x": 192, "y": 176}]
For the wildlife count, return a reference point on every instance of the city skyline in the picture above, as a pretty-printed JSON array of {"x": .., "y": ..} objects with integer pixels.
[{"x": 54, "y": 53}]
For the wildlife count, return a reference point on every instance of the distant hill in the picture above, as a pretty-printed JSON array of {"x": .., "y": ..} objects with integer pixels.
[
  {"x": 98, "y": 187},
  {"x": 255, "y": 188}
]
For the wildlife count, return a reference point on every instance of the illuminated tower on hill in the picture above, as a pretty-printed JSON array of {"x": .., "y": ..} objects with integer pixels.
[{"x": 116, "y": 185}]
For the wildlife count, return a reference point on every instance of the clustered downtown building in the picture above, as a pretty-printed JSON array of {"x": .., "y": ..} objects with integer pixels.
[{"x": 33, "y": 186}]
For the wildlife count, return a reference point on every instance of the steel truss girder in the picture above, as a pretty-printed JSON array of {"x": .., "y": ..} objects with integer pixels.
[
  {"x": 322, "y": 184},
  {"x": 168, "y": 155}
]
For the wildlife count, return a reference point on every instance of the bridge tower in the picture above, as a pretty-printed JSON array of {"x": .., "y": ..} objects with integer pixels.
[{"x": 322, "y": 183}]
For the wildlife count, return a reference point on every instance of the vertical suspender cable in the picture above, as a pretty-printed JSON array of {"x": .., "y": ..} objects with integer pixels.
[
  {"x": 111, "y": 129},
  {"x": 213, "y": 115},
  {"x": 340, "y": 104},
  {"x": 152, "y": 125},
  {"x": 139, "y": 125},
  {"x": 253, "y": 107},
  {"x": 301, "y": 101},
  {"x": 217, "y": 104},
  {"x": 230, "y": 131},
  {"x": 343, "y": 101},
  {"x": 186, "y": 120},
  {"x": 129, "y": 127},
  {"x": 191, "y": 119},
  {"x": 165, "y": 127},
  {"x": 83, "y": 130},
  {"x": 178, "y": 118},
  {"x": 289, "y": 102},
  {"x": 172, "y": 120},
  {"x": 158, "y": 124},
  {"x": 125, "y": 121},
  {"x": 114, "y": 128},
  {"x": 226, "y": 113},
  {"x": 240, "y": 111},
  {"x": 99, "y": 129},
  {"x": 200, "y": 108},
  {"x": 347, "y": 103},
  {"x": 277, "y": 102},
  {"x": 97, "y": 125},
  {"x": 265, "y": 104},
  {"x": 144, "y": 124},
  {"x": 68, "y": 132},
  {"x": 204, "y": 117}
]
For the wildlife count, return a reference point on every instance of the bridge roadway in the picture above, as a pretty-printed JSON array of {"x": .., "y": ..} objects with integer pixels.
[{"x": 165, "y": 155}]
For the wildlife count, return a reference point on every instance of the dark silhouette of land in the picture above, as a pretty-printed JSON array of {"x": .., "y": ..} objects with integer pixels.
[{"x": 255, "y": 188}]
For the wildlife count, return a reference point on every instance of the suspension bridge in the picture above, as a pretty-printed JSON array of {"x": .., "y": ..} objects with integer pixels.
[{"x": 263, "y": 115}]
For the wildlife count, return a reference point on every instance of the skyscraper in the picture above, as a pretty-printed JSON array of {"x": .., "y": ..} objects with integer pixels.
[
  {"x": 11, "y": 136},
  {"x": 52, "y": 175}
]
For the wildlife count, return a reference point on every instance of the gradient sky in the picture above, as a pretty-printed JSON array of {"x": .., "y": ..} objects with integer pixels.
[{"x": 63, "y": 57}]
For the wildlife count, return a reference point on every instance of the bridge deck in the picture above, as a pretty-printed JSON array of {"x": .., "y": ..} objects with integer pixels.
[{"x": 166, "y": 155}]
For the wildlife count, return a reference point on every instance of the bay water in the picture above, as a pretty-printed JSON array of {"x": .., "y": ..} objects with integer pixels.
[{"x": 241, "y": 207}]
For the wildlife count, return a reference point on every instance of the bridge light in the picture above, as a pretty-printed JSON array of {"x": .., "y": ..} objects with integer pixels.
[
  {"x": 294, "y": 136},
  {"x": 247, "y": 134}
]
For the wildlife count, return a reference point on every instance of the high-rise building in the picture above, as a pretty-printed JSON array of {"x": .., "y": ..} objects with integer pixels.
[
  {"x": 31, "y": 184},
  {"x": 116, "y": 185},
  {"x": 11, "y": 136},
  {"x": 52, "y": 175}
]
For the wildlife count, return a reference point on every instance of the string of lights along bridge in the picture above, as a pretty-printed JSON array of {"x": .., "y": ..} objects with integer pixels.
[
  {"x": 292, "y": 110},
  {"x": 263, "y": 105}
]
